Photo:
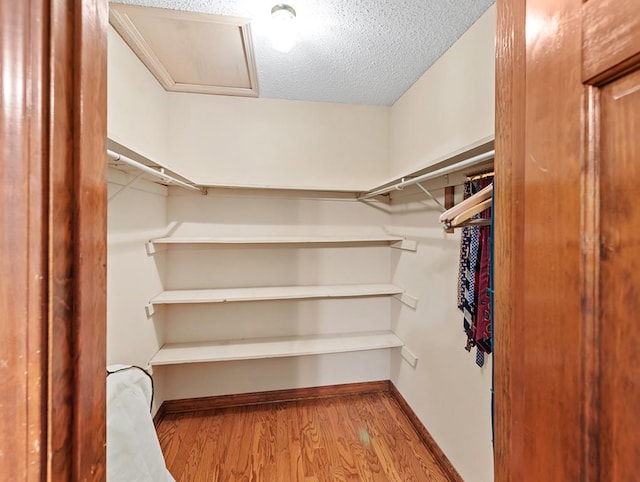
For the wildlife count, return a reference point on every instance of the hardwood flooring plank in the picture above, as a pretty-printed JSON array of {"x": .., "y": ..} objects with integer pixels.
[
  {"x": 294, "y": 431},
  {"x": 186, "y": 439},
  {"x": 343, "y": 467},
  {"x": 367, "y": 461},
  {"x": 350, "y": 438},
  {"x": 211, "y": 427},
  {"x": 265, "y": 440},
  {"x": 241, "y": 446},
  {"x": 396, "y": 430},
  {"x": 206, "y": 435},
  {"x": 169, "y": 441}
]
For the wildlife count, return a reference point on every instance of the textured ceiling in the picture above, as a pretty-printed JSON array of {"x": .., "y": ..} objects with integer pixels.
[{"x": 348, "y": 51}]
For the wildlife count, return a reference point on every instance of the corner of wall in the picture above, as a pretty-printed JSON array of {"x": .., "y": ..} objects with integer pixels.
[
  {"x": 447, "y": 391},
  {"x": 137, "y": 105},
  {"x": 134, "y": 216},
  {"x": 451, "y": 106}
]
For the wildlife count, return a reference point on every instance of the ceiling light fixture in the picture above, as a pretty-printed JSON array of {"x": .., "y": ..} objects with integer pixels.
[
  {"x": 283, "y": 11},
  {"x": 283, "y": 28}
]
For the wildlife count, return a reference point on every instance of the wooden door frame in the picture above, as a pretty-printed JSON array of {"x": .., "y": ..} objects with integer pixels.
[
  {"x": 519, "y": 361},
  {"x": 509, "y": 180},
  {"x": 55, "y": 238},
  {"x": 53, "y": 242},
  {"x": 540, "y": 326},
  {"x": 573, "y": 48}
]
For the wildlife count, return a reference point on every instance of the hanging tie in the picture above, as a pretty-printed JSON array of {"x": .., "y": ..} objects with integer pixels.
[{"x": 479, "y": 357}]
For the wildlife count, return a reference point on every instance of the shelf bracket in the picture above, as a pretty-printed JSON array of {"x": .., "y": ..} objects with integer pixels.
[
  {"x": 150, "y": 247},
  {"x": 409, "y": 356},
  {"x": 150, "y": 310},
  {"x": 406, "y": 245},
  {"x": 125, "y": 186},
  {"x": 410, "y": 301},
  {"x": 433, "y": 198}
]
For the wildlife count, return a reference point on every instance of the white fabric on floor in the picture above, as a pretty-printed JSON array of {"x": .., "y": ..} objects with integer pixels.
[{"x": 133, "y": 450}]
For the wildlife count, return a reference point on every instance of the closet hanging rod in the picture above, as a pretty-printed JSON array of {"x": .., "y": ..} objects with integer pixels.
[
  {"x": 472, "y": 161},
  {"x": 114, "y": 156}
]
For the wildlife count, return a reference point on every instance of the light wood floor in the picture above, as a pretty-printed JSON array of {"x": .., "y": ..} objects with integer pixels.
[{"x": 347, "y": 438}]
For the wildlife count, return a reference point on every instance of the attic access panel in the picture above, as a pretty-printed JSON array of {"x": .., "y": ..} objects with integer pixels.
[{"x": 190, "y": 52}]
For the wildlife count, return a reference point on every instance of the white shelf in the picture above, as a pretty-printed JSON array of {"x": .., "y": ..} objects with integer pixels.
[
  {"x": 393, "y": 241},
  {"x": 349, "y": 238},
  {"x": 181, "y": 353},
  {"x": 274, "y": 293},
  {"x": 282, "y": 187}
]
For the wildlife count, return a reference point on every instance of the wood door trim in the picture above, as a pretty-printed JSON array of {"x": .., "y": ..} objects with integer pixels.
[
  {"x": 509, "y": 236},
  {"x": 77, "y": 248},
  {"x": 618, "y": 278},
  {"x": 609, "y": 47},
  {"x": 53, "y": 246},
  {"x": 590, "y": 296},
  {"x": 273, "y": 396},
  {"x": 23, "y": 204},
  {"x": 60, "y": 225},
  {"x": 554, "y": 378},
  {"x": 90, "y": 236}
]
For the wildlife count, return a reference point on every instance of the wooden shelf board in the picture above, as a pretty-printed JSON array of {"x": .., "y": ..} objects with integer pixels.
[
  {"x": 349, "y": 238},
  {"x": 274, "y": 293},
  {"x": 251, "y": 349}
]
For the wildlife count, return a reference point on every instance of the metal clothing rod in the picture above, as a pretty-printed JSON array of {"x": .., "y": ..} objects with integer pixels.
[
  {"x": 472, "y": 161},
  {"x": 472, "y": 222},
  {"x": 114, "y": 156}
]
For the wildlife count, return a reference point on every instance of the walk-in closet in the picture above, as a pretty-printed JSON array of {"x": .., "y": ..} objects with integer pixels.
[
  {"x": 269, "y": 245},
  {"x": 319, "y": 240}
]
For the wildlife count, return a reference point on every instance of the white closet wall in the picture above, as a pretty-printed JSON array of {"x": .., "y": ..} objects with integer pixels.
[
  {"x": 247, "y": 141},
  {"x": 451, "y": 106},
  {"x": 137, "y": 106},
  {"x": 244, "y": 142},
  {"x": 447, "y": 390},
  {"x": 137, "y": 117},
  {"x": 229, "y": 213},
  {"x": 134, "y": 216}
]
